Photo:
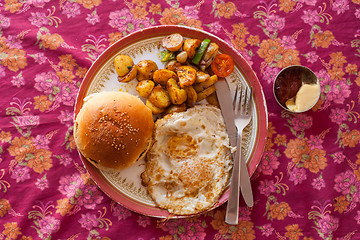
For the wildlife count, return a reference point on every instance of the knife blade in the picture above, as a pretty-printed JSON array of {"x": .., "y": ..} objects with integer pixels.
[{"x": 226, "y": 104}]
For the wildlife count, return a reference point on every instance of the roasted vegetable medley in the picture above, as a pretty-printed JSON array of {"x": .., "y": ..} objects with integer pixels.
[{"x": 186, "y": 79}]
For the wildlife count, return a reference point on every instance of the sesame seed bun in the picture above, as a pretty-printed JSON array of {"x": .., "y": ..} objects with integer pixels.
[{"x": 113, "y": 130}]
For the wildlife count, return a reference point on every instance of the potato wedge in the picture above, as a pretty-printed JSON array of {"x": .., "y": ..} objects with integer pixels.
[
  {"x": 161, "y": 76},
  {"x": 144, "y": 88},
  {"x": 172, "y": 42},
  {"x": 175, "y": 108},
  {"x": 159, "y": 97},
  {"x": 129, "y": 76},
  {"x": 146, "y": 69},
  {"x": 177, "y": 95},
  {"x": 187, "y": 75},
  {"x": 203, "y": 85},
  {"x": 213, "y": 100},
  {"x": 205, "y": 93},
  {"x": 201, "y": 76},
  {"x": 172, "y": 65},
  {"x": 123, "y": 64},
  {"x": 190, "y": 46},
  {"x": 154, "y": 109},
  {"x": 191, "y": 94}
]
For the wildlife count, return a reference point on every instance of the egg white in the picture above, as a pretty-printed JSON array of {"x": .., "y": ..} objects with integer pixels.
[{"x": 189, "y": 163}]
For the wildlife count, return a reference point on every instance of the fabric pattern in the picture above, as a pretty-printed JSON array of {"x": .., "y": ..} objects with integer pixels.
[{"x": 307, "y": 185}]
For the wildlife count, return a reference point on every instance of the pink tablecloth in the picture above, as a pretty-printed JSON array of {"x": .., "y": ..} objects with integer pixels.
[{"x": 307, "y": 185}]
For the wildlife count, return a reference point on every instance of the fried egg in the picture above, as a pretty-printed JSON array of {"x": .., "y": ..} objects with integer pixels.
[{"x": 189, "y": 164}]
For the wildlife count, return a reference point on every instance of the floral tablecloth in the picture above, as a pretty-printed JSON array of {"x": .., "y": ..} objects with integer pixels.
[{"x": 307, "y": 185}]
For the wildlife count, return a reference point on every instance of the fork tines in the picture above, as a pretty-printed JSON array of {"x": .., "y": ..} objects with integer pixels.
[{"x": 242, "y": 99}]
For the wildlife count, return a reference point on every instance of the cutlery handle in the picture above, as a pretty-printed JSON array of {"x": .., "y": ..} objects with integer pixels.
[
  {"x": 245, "y": 184},
  {"x": 232, "y": 210}
]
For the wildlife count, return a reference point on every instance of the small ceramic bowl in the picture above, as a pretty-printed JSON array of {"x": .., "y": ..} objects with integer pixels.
[{"x": 288, "y": 83}]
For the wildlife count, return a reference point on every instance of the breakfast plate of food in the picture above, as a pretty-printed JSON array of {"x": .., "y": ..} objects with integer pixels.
[{"x": 148, "y": 126}]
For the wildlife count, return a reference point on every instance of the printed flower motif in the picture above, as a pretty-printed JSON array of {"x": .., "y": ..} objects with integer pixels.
[
  {"x": 11, "y": 231},
  {"x": 172, "y": 16},
  {"x": 312, "y": 57},
  {"x": 93, "y": 18},
  {"x": 287, "y": 58},
  {"x": 41, "y": 161},
  {"x": 297, "y": 175},
  {"x": 226, "y": 10},
  {"x": 48, "y": 225},
  {"x": 4, "y": 21},
  {"x": 338, "y": 115},
  {"x": 296, "y": 149},
  {"x": 120, "y": 212},
  {"x": 357, "y": 217},
  {"x": 315, "y": 141},
  {"x": 113, "y": 37},
  {"x": 18, "y": 80},
  {"x": 155, "y": 8},
  {"x": 20, "y": 173},
  {"x": 244, "y": 230},
  {"x": 4, "y": 207},
  {"x": 41, "y": 141},
  {"x": 274, "y": 23},
  {"x": 318, "y": 183},
  {"x": 67, "y": 62},
  {"x": 88, "y": 221},
  {"x": 218, "y": 222},
  {"x": 340, "y": 6},
  {"x": 311, "y": 17},
  {"x": 338, "y": 157},
  {"x": 143, "y": 221},
  {"x": 286, "y": 5},
  {"x": 268, "y": 163},
  {"x": 42, "y": 103},
  {"x": 37, "y": 3},
  {"x": 63, "y": 206},
  {"x": 192, "y": 229},
  {"x": 80, "y": 72},
  {"x": 12, "y": 6},
  {"x": 123, "y": 20},
  {"x": 21, "y": 147},
  {"x": 345, "y": 183},
  {"x": 293, "y": 232},
  {"x": 301, "y": 122},
  {"x": 71, "y": 10},
  {"x": 266, "y": 230},
  {"x": 139, "y": 12},
  {"x": 279, "y": 210},
  {"x": 269, "y": 49},
  {"x": 340, "y": 204},
  {"x": 323, "y": 39},
  {"x": 68, "y": 185},
  {"x": 89, "y": 4},
  {"x": 65, "y": 76},
  {"x": 67, "y": 94},
  {"x": 89, "y": 197},
  {"x": 5, "y": 136},
  {"x": 239, "y": 43},
  {"x": 328, "y": 224},
  {"x": 267, "y": 187},
  {"x": 270, "y": 74},
  {"x": 191, "y": 12},
  {"x": 52, "y": 41},
  {"x": 316, "y": 160},
  {"x": 244, "y": 214},
  {"x": 337, "y": 91},
  {"x": 15, "y": 59},
  {"x": 38, "y": 19},
  {"x": 350, "y": 138},
  {"x": 288, "y": 42},
  {"x": 27, "y": 120}
]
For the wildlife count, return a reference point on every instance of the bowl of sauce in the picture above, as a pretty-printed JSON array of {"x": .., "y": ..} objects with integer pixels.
[{"x": 296, "y": 88}]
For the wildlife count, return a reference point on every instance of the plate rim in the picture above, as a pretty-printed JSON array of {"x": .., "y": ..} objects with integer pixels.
[{"x": 155, "y": 31}]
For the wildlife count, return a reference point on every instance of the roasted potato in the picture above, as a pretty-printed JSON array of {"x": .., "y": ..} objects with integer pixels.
[
  {"x": 190, "y": 46},
  {"x": 172, "y": 65},
  {"x": 203, "y": 85},
  {"x": 191, "y": 94},
  {"x": 205, "y": 93},
  {"x": 123, "y": 64},
  {"x": 154, "y": 109},
  {"x": 161, "y": 76},
  {"x": 201, "y": 77},
  {"x": 213, "y": 100},
  {"x": 144, "y": 88},
  {"x": 159, "y": 97},
  {"x": 146, "y": 69},
  {"x": 177, "y": 95},
  {"x": 187, "y": 75},
  {"x": 129, "y": 76},
  {"x": 175, "y": 108},
  {"x": 172, "y": 42}
]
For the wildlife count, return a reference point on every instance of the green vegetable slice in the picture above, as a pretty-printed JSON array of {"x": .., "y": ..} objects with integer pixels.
[
  {"x": 200, "y": 52},
  {"x": 167, "y": 55}
]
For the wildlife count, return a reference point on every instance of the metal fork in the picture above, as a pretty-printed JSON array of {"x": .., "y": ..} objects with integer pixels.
[{"x": 240, "y": 176}]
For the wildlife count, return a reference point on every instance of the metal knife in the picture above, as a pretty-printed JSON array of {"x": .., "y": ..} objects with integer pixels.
[{"x": 226, "y": 104}]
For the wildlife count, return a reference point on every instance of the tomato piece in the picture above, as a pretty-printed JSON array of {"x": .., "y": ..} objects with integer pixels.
[{"x": 223, "y": 65}]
